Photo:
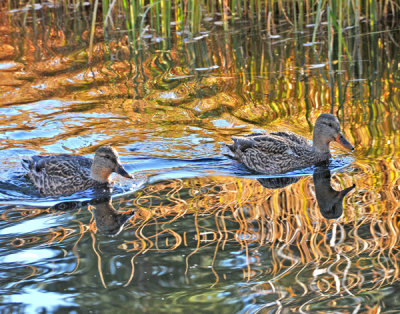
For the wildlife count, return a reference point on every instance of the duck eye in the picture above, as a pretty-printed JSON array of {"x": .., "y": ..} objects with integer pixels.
[{"x": 106, "y": 156}]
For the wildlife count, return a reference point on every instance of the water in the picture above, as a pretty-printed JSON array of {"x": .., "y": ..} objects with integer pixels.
[{"x": 196, "y": 230}]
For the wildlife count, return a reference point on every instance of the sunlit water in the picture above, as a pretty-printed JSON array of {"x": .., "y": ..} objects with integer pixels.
[{"x": 195, "y": 229}]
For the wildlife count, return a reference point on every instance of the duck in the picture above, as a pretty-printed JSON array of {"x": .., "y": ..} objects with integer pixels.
[
  {"x": 66, "y": 174},
  {"x": 280, "y": 152}
]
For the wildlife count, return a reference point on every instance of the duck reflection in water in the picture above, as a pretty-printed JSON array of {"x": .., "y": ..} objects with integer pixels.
[
  {"x": 330, "y": 201},
  {"x": 108, "y": 220}
]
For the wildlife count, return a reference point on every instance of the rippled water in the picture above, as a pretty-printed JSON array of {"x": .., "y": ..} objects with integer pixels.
[{"x": 195, "y": 229}]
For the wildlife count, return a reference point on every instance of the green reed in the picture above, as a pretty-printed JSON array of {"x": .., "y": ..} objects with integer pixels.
[
  {"x": 166, "y": 18},
  {"x": 178, "y": 20},
  {"x": 188, "y": 15}
]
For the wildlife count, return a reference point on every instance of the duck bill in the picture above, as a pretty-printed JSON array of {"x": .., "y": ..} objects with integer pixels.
[
  {"x": 342, "y": 141},
  {"x": 122, "y": 172}
]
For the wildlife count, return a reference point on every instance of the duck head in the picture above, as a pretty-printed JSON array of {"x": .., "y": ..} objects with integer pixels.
[
  {"x": 106, "y": 161},
  {"x": 326, "y": 130}
]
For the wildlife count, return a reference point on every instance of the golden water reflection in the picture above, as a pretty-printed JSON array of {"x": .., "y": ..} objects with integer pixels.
[
  {"x": 219, "y": 242},
  {"x": 212, "y": 216}
]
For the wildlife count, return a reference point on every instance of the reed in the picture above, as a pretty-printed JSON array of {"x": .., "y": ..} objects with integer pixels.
[
  {"x": 189, "y": 14},
  {"x": 156, "y": 16},
  {"x": 248, "y": 60}
]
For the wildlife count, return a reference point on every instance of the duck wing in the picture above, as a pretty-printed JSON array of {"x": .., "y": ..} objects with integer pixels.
[
  {"x": 61, "y": 165},
  {"x": 259, "y": 141},
  {"x": 255, "y": 149},
  {"x": 271, "y": 153},
  {"x": 292, "y": 138},
  {"x": 59, "y": 174},
  {"x": 267, "y": 143}
]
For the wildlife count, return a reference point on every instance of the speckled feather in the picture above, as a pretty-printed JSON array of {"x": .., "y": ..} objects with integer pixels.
[
  {"x": 60, "y": 174},
  {"x": 276, "y": 152}
]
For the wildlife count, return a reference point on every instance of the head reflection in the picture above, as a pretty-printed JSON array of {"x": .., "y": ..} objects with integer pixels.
[
  {"x": 108, "y": 220},
  {"x": 330, "y": 201}
]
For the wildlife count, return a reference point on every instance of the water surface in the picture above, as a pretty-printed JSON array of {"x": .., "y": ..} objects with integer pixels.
[{"x": 195, "y": 229}]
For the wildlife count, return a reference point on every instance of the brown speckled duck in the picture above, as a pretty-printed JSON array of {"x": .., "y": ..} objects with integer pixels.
[
  {"x": 66, "y": 174},
  {"x": 280, "y": 152}
]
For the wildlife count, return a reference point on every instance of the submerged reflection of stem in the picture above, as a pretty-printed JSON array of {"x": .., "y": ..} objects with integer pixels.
[
  {"x": 98, "y": 260},
  {"x": 33, "y": 273},
  {"x": 74, "y": 248},
  {"x": 198, "y": 243}
]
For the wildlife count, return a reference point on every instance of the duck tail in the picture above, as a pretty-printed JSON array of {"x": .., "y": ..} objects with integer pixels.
[
  {"x": 230, "y": 152},
  {"x": 231, "y": 147},
  {"x": 26, "y": 164}
]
